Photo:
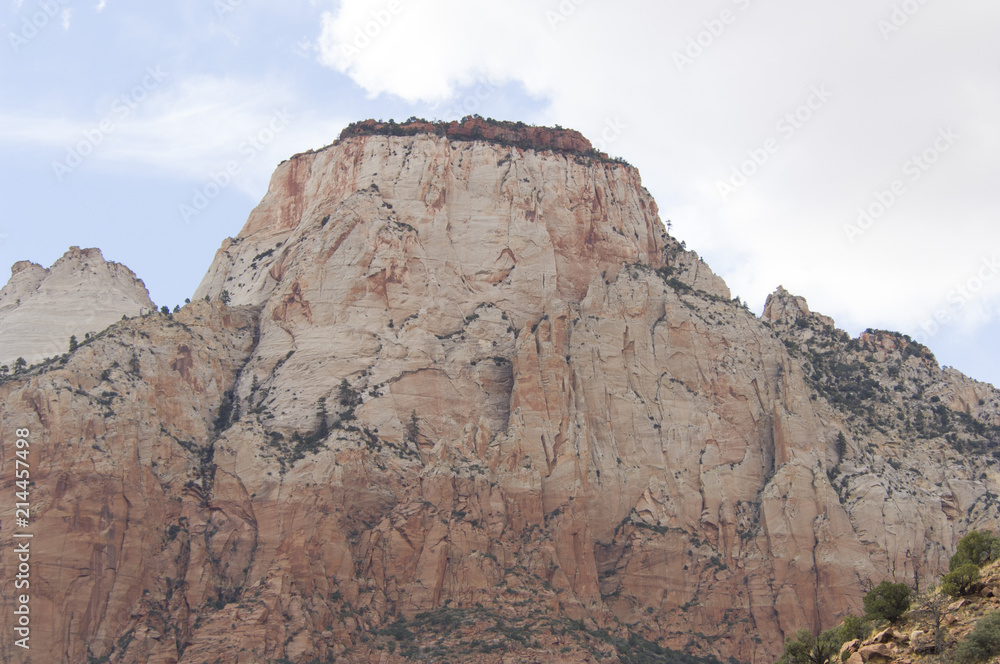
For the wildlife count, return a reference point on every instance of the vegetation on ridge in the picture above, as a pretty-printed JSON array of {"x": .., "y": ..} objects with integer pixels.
[{"x": 477, "y": 128}]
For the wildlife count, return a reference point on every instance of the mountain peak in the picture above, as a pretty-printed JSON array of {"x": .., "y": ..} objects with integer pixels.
[
  {"x": 40, "y": 308},
  {"x": 437, "y": 365},
  {"x": 784, "y": 308}
]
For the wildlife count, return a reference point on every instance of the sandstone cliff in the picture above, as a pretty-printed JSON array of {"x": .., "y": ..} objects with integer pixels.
[
  {"x": 40, "y": 309},
  {"x": 469, "y": 400}
]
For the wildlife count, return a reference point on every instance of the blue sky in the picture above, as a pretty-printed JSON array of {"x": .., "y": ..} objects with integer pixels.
[{"x": 849, "y": 152}]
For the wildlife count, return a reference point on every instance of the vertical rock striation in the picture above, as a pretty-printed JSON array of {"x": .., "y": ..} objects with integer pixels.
[{"x": 474, "y": 386}]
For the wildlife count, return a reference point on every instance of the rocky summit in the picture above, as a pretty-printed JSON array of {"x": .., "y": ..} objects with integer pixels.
[
  {"x": 454, "y": 394},
  {"x": 40, "y": 309}
]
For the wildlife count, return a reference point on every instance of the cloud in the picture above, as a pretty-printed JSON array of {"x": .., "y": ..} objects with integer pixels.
[
  {"x": 421, "y": 51},
  {"x": 189, "y": 128},
  {"x": 101, "y": 5},
  {"x": 699, "y": 93},
  {"x": 64, "y": 17}
]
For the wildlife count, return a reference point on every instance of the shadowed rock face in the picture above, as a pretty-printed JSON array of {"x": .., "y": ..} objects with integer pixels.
[{"x": 478, "y": 387}]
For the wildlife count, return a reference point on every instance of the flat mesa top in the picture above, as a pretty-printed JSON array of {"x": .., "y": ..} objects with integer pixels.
[{"x": 476, "y": 128}]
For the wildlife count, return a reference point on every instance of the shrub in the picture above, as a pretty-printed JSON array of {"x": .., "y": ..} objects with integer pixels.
[
  {"x": 348, "y": 396},
  {"x": 398, "y": 631},
  {"x": 808, "y": 649},
  {"x": 840, "y": 447},
  {"x": 983, "y": 642},
  {"x": 853, "y": 627},
  {"x": 888, "y": 600},
  {"x": 975, "y": 548},
  {"x": 960, "y": 581},
  {"x": 412, "y": 428}
]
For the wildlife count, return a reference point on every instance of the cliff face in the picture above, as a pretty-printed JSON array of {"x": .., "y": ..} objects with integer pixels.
[
  {"x": 40, "y": 309},
  {"x": 477, "y": 387}
]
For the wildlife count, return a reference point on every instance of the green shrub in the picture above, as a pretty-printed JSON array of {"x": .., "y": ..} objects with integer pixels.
[
  {"x": 976, "y": 548},
  {"x": 960, "y": 581},
  {"x": 808, "y": 649},
  {"x": 412, "y": 428},
  {"x": 888, "y": 600},
  {"x": 853, "y": 627},
  {"x": 983, "y": 642},
  {"x": 398, "y": 630}
]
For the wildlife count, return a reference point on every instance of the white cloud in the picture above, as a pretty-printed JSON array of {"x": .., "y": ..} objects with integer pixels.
[
  {"x": 190, "y": 127},
  {"x": 64, "y": 17},
  {"x": 699, "y": 92},
  {"x": 101, "y": 5}
]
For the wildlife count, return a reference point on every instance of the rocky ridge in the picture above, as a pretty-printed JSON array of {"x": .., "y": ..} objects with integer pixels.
[
  {"x": 468, "y": 400},
  {"x": 932, "y": 629}
]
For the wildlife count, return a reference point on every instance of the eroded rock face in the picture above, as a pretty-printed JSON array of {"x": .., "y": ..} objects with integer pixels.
[
  {"x": 479, "y": 388},
  {"x": 40, "y": 309}
]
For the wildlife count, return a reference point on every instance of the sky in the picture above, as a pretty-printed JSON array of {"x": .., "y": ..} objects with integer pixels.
[{"x": 848, "y": 151}]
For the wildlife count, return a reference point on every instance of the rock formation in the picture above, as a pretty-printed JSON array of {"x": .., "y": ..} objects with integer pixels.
[
  {"x": 40, "y": 309},
  {"x": 468, "y": 401},
  {"x": 934, "y": 627}
]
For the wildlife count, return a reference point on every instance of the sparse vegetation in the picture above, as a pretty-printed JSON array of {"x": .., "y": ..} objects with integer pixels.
[
  {"x": 973, "y": 551},
  {"x": 976, "y": 548},
  {"x": 476, "y": 127},
  {"x": 412, "y": 428},
  {"x": 349, "y": 398},
  {"x": 983, "y": 642},
  {"x": 805, "y": 648},
  {"x": 888, "y": 600},
  {"x": 960, "y": 581}
]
